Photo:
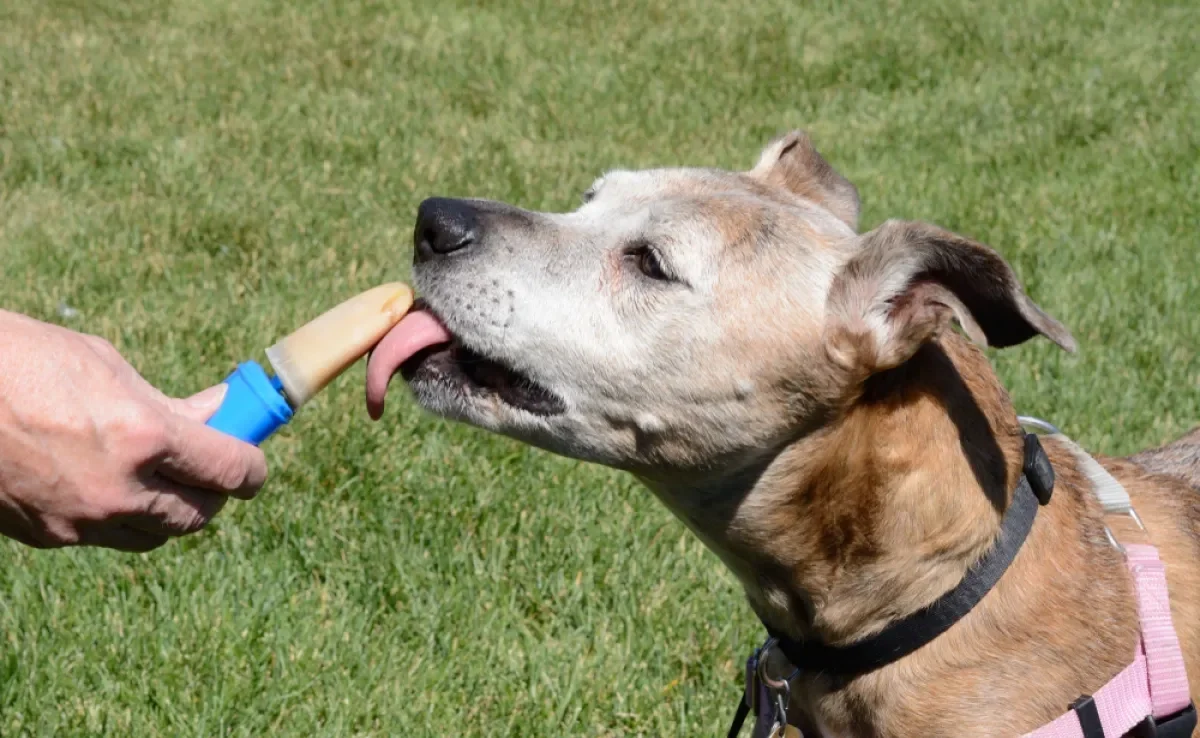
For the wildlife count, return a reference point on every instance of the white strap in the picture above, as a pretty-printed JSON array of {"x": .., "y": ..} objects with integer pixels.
[
  {"x": 1109, "y": 491},
  {"x": 1113, "y": 497}
]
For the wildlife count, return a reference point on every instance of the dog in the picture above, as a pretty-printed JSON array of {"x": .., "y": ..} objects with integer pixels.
[{"x": 796, "y": 393}]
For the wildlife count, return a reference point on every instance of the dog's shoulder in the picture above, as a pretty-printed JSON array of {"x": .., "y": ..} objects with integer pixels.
[{"x": 1179, "y": 459}]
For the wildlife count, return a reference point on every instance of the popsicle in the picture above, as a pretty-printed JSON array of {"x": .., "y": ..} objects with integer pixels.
[{"x": 256, "y": 404}]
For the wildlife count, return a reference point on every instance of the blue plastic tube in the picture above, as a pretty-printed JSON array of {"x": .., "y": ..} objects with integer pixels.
[{"x": 254, "y": 406}]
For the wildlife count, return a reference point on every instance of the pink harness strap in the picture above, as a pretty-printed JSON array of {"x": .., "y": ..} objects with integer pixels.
[
  {"x": 1168, "y": 679},
  {"x": 1156, "y": 682}
]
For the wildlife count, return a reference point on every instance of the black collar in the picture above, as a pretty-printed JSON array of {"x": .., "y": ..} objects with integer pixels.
[{"x": 905, "y": 636}]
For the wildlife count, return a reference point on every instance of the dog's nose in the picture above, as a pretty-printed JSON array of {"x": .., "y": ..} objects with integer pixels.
[{"x": 444, "y": 226}]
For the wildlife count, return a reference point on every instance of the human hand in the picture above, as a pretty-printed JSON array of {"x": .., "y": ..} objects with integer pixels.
[{"x": 92, "y": 454}]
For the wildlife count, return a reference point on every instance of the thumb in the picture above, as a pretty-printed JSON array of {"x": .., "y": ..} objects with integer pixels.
[{"x": 202, "y": 405}]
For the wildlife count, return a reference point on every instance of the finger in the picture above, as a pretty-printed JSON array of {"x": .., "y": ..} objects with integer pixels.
[
  {"x": 202, "y": 405},
  {"x": 121, "y": 538},
  {"x": 22, "y": 535},
  {"x": 198, "y": 456},
  {"x": 171, "y": 509}
]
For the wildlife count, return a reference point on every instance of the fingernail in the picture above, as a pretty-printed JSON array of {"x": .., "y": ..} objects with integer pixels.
[{"x": 209, "y": 398}]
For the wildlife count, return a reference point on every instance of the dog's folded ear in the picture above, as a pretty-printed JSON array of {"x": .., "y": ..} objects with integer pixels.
[
  {"x": 791, "y": 162},
  {"x": 904, "y": 284}
]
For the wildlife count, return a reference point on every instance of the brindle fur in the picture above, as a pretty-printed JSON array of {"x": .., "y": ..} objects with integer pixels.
[{"x": 799, "y": 400}]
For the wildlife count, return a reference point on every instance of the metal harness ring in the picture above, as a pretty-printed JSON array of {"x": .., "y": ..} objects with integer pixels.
[{"x": 775, "y": 685}]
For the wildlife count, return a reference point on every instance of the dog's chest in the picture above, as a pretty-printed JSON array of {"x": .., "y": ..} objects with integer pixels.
[
  {"x": 813, "y": 724},
  {"x": 824, "y": 731}
]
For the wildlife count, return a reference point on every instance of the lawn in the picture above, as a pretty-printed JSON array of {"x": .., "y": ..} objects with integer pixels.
[{"x": 193, "y": 179}]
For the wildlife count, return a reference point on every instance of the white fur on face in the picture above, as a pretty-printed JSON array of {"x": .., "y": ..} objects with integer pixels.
[{"x": 653, "y": 373}]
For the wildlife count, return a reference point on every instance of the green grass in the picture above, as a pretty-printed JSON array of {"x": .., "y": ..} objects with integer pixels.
[{"x": 198, "y": 178}]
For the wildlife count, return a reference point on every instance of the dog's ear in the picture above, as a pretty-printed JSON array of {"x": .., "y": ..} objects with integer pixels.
[
  {"x": 791, "y": 162},
  {"x": 907, "y": 281}
]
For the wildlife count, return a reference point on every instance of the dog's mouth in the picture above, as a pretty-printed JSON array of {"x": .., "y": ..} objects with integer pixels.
[{"x": 429, "y": 357}]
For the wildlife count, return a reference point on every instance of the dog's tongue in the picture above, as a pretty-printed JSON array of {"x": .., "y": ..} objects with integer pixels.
[{"x": 416, "y": 332}]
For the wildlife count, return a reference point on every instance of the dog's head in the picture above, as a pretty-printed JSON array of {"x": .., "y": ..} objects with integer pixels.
[{"x": 684, "y": 319}]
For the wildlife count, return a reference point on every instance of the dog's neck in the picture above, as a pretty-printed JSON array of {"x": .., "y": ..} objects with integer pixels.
[{"x": 878, "y": 513}]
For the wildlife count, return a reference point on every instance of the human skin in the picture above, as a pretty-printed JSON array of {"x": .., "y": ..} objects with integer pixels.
[{"x": 91, "y": 454}]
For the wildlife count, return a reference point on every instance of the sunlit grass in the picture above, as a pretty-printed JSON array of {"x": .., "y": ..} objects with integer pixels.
[{"x": 198, "y": 178}]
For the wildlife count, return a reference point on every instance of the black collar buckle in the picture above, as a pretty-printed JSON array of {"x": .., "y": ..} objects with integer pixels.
[{"x": 1038, "y": 470}]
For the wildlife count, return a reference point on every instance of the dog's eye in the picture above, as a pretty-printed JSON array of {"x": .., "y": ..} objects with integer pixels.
[
  {"x": 647, "y": 261},
  {"x": 650, "y": 265}
]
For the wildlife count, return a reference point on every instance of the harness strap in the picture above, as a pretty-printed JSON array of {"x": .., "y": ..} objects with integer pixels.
[
  {"x": 739, "y": 718},
  {"x": 1155, "y": 684},
  {"x": 1164, "y": 658}
]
